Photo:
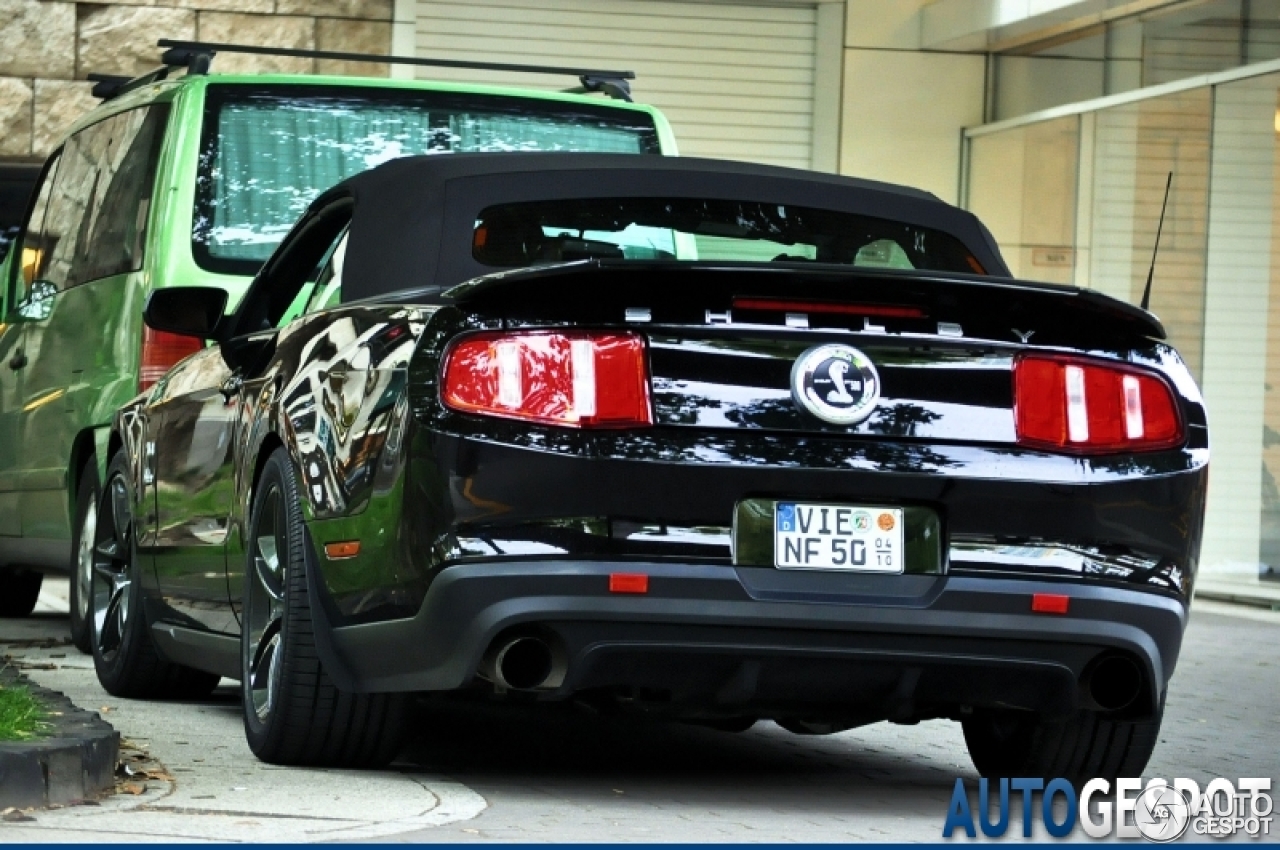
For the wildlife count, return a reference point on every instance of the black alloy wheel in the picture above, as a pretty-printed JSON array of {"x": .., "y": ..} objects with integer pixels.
[
  {"x": 82, "y": 555},
  {"x": 264, "y": 607},
  {"x": 124, "y": 656},
  {"x": 293, "y": 712}
]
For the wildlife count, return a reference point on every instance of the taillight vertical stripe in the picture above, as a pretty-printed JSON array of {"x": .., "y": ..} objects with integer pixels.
[
  {"x": 1077, "y": 406},
  {"x": 583, "y": 357},
  {"x": 510, "y": 389},
  {"x": 1133, "y": 426}
]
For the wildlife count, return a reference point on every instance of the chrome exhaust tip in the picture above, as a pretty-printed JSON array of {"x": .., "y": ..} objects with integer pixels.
[{"x": 523, "y": 663}]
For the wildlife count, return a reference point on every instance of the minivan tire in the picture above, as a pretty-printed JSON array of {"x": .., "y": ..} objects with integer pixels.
[
  {"x": 19, "y": 592},
  {"x": 86, "y": 522}
]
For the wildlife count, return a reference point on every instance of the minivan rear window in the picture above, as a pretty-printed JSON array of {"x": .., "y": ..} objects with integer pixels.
[{"x": 268, "y": 151}]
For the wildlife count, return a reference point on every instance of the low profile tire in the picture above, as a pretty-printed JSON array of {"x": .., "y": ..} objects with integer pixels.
[
  {"x": 124, "y": 656},
  {"x": 293, "y": 712},
  {"x": 86, "y": 526},
  {"x": 1089, "y": 745},
  {"x": 19, "y": 591}
]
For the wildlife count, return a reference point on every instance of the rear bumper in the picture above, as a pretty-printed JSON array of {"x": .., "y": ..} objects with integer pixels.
[{"x": 743, "y": 636}]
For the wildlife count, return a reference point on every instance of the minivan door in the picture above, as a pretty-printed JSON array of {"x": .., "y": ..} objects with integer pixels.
[{"x": 27, "y": 253}]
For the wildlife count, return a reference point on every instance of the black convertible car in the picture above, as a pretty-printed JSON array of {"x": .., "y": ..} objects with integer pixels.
[{"x": 707, "y": 440}]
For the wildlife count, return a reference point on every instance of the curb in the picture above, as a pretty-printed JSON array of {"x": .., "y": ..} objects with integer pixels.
[
  {"x": 1253, "y": 594},
  {"x": 76, "y": 762}
]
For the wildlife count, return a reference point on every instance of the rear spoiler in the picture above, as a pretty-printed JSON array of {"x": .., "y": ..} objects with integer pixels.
[{"x": 1004, "y": 308}]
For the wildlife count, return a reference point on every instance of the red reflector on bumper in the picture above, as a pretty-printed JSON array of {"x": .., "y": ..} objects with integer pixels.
[
  {"x": 1050, "y": 603},
  {"x": 628, "y": 583}
]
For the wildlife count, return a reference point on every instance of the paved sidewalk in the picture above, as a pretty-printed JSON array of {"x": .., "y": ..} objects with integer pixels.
[{"x": 219, "y": 790}]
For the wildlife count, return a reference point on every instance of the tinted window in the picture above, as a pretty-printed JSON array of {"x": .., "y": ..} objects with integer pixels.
[
  {"x": 17, "y": 180},
  {"x": 527, "y": 234},
  {"x": 267, "y": 153},
  {"x": 327, "y": 290},
  {"x": 119, "y": 227},
  {"x": 34, "y": 246},
  {"x": 97, "y": 214}
]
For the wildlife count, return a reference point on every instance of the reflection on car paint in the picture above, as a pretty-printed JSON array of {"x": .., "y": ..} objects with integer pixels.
[
  {"x": 976, "y": 553},
  {"x": 342, "y": 409}
]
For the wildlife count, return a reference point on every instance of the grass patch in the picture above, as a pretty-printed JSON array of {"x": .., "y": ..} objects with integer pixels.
[{"x": 21, "y": 715}]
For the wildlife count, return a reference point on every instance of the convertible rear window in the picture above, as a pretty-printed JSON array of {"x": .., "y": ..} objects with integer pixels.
[
  {"x": 537, "y": 232},
  {"x": 268, "y": 151}
]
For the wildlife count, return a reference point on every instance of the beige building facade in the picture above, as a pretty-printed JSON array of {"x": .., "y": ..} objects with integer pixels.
[{"x": 48, "y": 48}]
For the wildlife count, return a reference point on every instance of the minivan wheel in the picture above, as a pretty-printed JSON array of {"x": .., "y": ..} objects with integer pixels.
[
  {"x": 19, "y": 592},
  {"x": 1008, "y": 743},
  {"x": 86, "y": 526},
  {"x": 124, "y": 656},
  {"x": 293, "y": 712}
]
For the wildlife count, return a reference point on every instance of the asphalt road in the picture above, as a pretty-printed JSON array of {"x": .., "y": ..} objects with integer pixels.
[{"x": 491, "y": 773}]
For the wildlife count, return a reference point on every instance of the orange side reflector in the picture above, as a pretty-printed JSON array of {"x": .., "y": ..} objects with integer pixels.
[
  {"x": 628, "y": 583},
  {"x": 345, "y": 549},
  {"x": 1050, "y": 603}
]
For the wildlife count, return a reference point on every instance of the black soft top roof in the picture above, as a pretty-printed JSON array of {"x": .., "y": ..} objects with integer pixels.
[{"x": 413, "y": 218}]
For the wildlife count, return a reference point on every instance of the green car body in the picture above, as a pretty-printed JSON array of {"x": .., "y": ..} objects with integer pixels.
[{"x": 71, "y": 354}]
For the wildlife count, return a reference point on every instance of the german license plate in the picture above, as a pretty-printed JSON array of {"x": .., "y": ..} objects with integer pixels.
[{"x": 837, "y": 537}]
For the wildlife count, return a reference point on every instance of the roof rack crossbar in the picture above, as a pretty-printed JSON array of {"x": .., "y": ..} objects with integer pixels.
[
  {"x": 107, "y": 86},
  {"x": 196, "y": 54}
]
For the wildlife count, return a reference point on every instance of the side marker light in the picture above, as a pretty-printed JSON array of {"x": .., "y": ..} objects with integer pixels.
[
  {"x": 628, "y": 583},
  {"x": 344, "y": 549},
  {"x": 1050, "y": 603}
]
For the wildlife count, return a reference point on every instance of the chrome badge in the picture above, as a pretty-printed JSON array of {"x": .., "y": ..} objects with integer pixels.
[{"x": 836, "y": 383}]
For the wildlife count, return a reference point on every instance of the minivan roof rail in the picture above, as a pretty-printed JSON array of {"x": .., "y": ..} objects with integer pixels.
[{"x": 196, "y": 57}]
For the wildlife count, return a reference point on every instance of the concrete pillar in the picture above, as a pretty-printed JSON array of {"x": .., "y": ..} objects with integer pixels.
[{"x": 1235, "y": 318}]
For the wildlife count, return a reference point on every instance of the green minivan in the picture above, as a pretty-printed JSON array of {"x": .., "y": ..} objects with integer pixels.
[{"x": 192, "y": 179}]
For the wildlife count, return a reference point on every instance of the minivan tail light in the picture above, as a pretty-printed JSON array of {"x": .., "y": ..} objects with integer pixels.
[
  {"x": 161, "y": 351},
  {"x": 1079, "y": 405},
  {"x": 579, "y": 379}
]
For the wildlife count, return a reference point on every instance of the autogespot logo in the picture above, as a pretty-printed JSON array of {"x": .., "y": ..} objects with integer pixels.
[{"x": 1159, "y": 811}]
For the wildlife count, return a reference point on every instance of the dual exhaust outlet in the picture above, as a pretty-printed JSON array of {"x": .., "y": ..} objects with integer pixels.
[
  {"x": 525, "y": 663},
  {"x": 535, "y": 662}
]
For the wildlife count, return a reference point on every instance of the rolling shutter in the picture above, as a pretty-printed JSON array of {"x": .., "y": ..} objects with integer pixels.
[{"x": 735, "y": 80}]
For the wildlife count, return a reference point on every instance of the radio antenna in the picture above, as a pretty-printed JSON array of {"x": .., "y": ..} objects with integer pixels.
[{"x": 1155, "y": 249}]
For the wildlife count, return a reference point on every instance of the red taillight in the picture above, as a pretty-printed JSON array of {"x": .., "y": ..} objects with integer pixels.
[
  {"x": 580, "y": 379},
  {"x": 892, "y": 311},
  {"x": 1082, "y": 405},
  {"x": 161, "y": 351}
]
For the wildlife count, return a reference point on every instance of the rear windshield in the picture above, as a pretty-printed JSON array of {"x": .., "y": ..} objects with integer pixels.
[
  {"x": 267, "y": 152},
  {"x": 532, "y": 233}
]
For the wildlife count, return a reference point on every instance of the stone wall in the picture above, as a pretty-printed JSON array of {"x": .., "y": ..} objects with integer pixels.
[{"x": 47, "y": 49}]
